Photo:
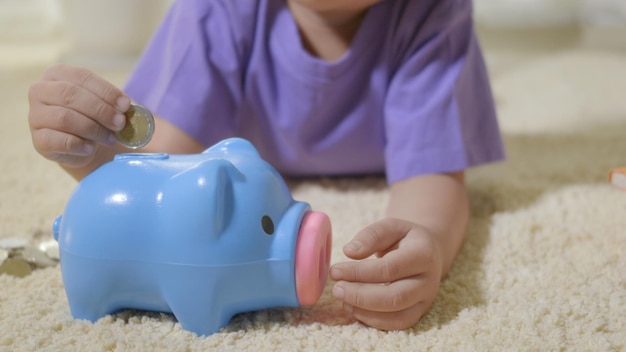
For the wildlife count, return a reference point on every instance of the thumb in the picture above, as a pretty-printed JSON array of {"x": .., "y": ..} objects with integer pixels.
[{"x": 377, "y": 238}]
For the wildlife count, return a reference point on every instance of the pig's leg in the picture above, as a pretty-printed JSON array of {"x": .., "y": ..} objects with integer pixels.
[
  {"x": 88, "y": 284},
  {"x": 191, "y": 295}
]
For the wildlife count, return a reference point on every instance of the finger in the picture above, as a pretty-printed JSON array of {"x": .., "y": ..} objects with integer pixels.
[
  {"x": 59, "y": 146},
  {"x": 72, "y": 122},
  {"x": 73, "y": 97},
  {"x": 389, "y": 320},
  {"x": 107, "y": 108},
  {"x": 91, "y": 82},
  {"x": 411, "y": 260},
  {"x": 377, "y": 237},
  {"x": 415, "y": 256},
  {"x": 74, "y": 161},
  {"x": 393, "y": 297}
]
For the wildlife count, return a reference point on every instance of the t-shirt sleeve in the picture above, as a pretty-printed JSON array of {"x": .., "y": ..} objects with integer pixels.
[
  {"x": 439, "y": 110},
  {"x": 190, "y": 73}
]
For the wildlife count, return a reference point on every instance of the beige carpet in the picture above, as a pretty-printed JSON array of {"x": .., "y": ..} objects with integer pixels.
[{"x": 543, "y": 267}]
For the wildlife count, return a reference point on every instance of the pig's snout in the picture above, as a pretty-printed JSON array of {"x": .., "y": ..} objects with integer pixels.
[{"x": 312, "y": 257}]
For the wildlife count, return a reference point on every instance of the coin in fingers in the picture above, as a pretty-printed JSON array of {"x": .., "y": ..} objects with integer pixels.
[{"x": 139, "y": 127}]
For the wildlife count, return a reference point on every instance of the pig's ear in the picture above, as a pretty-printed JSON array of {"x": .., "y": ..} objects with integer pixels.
[
  {"x": 238, "y": 146},
  {"x": 203, "y": 196}
]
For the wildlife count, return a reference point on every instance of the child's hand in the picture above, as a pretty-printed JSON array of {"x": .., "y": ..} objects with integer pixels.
[
  {"x": 394, "y": 290},
  {"x": 72, "y": 113}
]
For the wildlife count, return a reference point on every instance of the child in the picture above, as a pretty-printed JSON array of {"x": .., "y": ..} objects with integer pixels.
[{"x": 321, "y": 87}]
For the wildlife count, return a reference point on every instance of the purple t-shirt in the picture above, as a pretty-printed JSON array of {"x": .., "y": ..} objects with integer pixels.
[{"x": 411, "y": 96}]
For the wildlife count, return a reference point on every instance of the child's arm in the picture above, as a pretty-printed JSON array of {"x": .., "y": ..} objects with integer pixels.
[
  {"x": 167, "y": 139},
  {"x": 415, "y": 247}
]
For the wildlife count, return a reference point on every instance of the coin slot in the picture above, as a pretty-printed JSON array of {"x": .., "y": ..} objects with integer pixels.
[{"x": 134, "y": 156}]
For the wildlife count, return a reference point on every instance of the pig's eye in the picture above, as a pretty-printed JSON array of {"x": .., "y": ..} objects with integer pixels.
[{"x": 268, "y": 225}]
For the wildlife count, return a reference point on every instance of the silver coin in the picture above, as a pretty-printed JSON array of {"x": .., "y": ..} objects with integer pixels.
[
  {"x": 4, "y": 254},
  {"x": 51, "y": 248},
  {"x": 139, "y": 127},
  {"x": 13, "y": 243},
  {"x": 36, "y": 257},
  {"x": 16, "y": 267}
]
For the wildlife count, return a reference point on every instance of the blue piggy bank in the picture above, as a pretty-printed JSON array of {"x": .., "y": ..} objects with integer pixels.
[{"x": 203, "y": 236}]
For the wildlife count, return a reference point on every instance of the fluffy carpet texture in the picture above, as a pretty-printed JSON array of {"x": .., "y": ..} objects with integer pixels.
[{"x": 543, "y": 267}]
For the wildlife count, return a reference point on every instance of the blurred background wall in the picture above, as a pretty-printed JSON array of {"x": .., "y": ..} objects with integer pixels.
[
  {"x": 80, "y": 31},
  {"x": 531, "y": 23},
  {"x": 546, "y": 13}
]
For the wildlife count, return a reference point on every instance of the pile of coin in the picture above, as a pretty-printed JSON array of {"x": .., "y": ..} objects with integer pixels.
[{"x": 18, "y": 258}]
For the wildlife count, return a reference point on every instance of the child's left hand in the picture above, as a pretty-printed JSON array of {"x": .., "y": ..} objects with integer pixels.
[{"x": 395, "y": 289}]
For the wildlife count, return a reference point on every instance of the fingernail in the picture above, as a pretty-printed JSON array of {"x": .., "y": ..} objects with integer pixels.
[
  {"x": 119, "y": 121},
  {"x": 112, "y": 139},
  {"x": 338, "y": 292},
  {"x": 123, "y": 103},
  {"x": 87, "y": 149},
  {"x": 354, "y": 246},
  {"x": 335, "y": 273}
]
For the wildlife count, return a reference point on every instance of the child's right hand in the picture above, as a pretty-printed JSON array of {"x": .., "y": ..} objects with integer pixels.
[{"x": 74, "y": 113}]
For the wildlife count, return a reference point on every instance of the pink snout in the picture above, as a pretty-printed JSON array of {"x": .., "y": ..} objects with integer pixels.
[{"x": 312, "y": 257}]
